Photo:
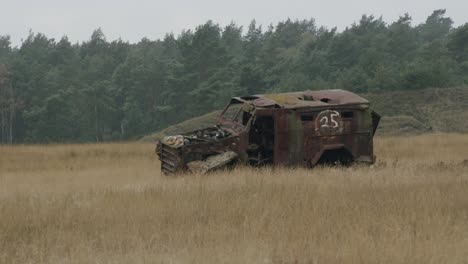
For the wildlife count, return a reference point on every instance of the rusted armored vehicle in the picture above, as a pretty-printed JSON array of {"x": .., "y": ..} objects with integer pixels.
[{"x": 289, "y": 129}]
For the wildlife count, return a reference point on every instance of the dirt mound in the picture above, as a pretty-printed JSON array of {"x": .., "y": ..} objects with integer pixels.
[
  {"x": 402, "y": 125},
  {"x": 437, "y": 109},
  {"x": 403, "y": 113}
]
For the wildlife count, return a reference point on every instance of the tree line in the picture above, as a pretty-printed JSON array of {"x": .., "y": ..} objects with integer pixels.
[{"x": 57, "y": 91}]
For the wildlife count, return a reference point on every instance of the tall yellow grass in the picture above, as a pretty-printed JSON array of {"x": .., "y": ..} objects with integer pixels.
[{"x": 108, "y": 203}]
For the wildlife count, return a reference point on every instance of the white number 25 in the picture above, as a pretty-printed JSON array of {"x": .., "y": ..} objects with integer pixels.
[{"x": 332, "y": 123}]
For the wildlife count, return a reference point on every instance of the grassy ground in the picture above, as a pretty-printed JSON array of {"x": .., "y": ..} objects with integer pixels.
[{"x": 109, "y": 204}]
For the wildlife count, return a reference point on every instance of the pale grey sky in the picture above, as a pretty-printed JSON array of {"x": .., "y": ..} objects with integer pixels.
[{"x": 133, "y": 20}]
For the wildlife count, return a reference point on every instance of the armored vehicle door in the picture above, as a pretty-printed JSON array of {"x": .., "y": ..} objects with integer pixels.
[{"x": 261, "y": 146}]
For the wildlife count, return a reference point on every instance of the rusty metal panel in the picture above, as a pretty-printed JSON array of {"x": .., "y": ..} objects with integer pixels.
[
  {"x": 296, "y": 139},
  {"x": 281, "y": 137}
]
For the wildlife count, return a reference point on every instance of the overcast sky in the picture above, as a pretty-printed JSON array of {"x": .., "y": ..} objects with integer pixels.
[{"x": 133, "y": 20}]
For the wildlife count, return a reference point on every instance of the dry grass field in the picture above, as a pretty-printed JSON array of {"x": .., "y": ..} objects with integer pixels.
[{"x": 108, "y": 203}]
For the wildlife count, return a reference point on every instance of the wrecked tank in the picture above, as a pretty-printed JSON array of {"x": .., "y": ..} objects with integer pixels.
[{"x": 288, "y": 129}]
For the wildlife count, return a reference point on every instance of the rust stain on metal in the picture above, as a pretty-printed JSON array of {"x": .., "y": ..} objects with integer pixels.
[{"x": 291, "y": 129}]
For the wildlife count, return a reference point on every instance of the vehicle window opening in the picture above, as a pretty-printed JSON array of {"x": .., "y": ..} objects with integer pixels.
[
  {"x": 306, "y": 117},
  {"x": 348, "y": 114},
  {"x": 246, "y": 117},
  {"x": 232, "y": 112}
]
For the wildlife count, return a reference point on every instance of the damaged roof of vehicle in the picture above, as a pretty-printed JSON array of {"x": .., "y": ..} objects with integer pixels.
[{"x": 304, "y": 99}]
